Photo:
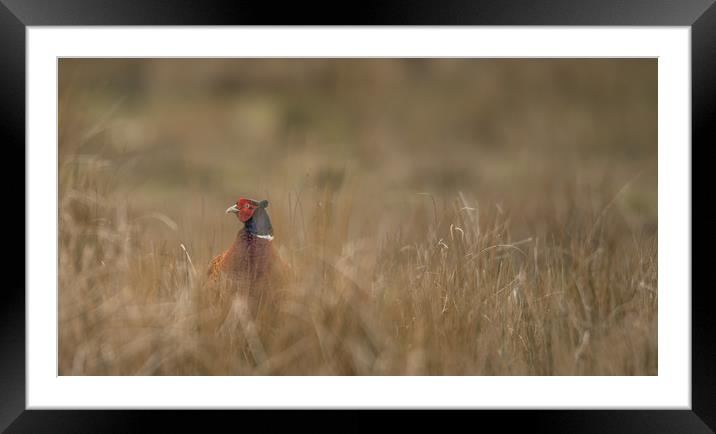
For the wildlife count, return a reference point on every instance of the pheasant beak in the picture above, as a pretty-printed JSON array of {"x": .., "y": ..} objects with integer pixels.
[{"x": 232, "y": 209}]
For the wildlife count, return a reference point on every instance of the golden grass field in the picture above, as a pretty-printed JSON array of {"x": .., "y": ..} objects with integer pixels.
[{"x": 440, "y": 217}]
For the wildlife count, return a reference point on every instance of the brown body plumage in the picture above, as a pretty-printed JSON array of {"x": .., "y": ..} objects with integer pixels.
[{"x": 250, "y": 259}]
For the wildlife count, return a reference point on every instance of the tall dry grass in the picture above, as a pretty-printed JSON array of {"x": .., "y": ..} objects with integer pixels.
[{"x": 519, "y": 263}]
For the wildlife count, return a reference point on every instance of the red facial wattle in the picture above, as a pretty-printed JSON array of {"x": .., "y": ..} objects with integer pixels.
[{"x": 246, "y": 209}]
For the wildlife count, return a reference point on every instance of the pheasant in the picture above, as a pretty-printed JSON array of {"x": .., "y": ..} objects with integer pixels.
[{"x": 252, "y": 259}]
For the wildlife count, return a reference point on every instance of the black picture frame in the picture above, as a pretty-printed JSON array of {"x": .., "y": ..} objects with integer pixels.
[{"x": 16, "y": 15}]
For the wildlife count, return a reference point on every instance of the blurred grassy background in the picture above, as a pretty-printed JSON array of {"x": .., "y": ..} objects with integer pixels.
[
  {"x": 504, "y": 129},
  {"x": 543, "y": 146}
]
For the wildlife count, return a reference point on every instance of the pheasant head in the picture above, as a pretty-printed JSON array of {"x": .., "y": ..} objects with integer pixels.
[{"x": 254, "y": 216}]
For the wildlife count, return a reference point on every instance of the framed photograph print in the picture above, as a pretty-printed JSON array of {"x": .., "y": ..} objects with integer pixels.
[{"x": 429, "y": 206}]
